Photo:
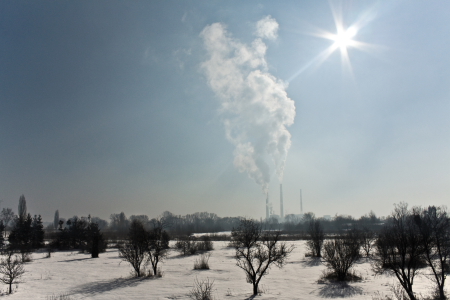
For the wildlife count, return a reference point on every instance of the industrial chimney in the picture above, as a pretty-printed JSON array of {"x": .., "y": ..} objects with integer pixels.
[
  {"x": 281, "y": 202},
  {"x": 267, "y": 206}
]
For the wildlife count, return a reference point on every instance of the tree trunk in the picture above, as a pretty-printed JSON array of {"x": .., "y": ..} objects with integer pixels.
[
  {"x": 94, "y": 248},
  {"x": 441, "y": 293},
  {"x": 255, "y": 288},
  {"x": 411, "y": 294}
]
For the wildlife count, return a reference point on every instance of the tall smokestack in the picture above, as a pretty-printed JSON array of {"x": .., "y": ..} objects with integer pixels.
[
  {"x": 281, "y": 202},
  {"x": 267, "y": 206},
  {"x": 301, "y": 203}
]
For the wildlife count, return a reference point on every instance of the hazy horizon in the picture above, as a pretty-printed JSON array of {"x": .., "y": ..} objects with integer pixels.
[{"x": 152, "y": 106}]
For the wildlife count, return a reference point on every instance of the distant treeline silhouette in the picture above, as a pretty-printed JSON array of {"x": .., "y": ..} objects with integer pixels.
[{"x": 205, "y": 222}]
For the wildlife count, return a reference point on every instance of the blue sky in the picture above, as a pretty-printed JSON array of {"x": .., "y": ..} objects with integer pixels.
[{"x": 108, "y": 106}]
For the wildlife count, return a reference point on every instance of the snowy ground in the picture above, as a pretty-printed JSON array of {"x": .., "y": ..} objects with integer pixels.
[{"x": 81, "y": 277}]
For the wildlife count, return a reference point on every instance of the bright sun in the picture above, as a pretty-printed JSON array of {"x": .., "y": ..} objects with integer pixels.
[{"x": 343, "y": 38}]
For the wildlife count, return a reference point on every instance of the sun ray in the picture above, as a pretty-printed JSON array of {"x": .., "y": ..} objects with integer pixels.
[{"x": 343, "y": 39}]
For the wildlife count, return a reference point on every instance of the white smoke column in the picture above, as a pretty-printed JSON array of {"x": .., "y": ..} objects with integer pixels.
[{"x": 254, "y": 104}]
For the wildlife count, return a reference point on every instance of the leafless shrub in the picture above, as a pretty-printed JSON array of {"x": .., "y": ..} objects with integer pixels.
[
  {"x": 63, "y": 296},
  {"x": 187, "y": 246},
  {"x": 27, "y": 257},
  {"x": 315, "y": 237},
  {"x": 202, "y": 290},
  {"x": 11, "y": 269},
  {"x": 367, "y": 240},
  {"x": 329, "y": 275},
  {"x": 341, "y": 253},
  {"x": 380, "y": 296},
  {"x": 205, "y": 244},
  {"x": 202, "y": 262}
]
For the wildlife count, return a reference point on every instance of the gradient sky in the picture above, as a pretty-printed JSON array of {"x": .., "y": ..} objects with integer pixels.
[{"x": 105, "y": 106}]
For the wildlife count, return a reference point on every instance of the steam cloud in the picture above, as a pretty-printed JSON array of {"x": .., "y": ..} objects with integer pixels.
[{"x": 254, "y": 104}]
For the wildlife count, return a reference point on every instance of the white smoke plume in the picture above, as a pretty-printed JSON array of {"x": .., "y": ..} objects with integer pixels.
[{"x": 254, "y": 104}]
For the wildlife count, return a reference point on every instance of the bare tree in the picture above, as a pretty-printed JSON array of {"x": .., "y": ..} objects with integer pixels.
[
  {"x": 341, "y": 253},
  {"x": 11, "y": 269},
  {"x": 135, "y": 249},
  {"x": 316, "y": 237},
  {"x": 434, "y": 226},
  {"x": 367, "y": 239},
  {"x": 7, "y": 215},
  {"x": 399, "y": 248},
  {"x": 158, "y": 244},
  {"x": 258, "y": 250}
]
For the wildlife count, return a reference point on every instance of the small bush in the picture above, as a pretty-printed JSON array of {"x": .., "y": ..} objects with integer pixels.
[
  {"x": 159, "y": 273},
  {"x": 380, "y": 296},
  {"x": 202, "y": 262},
  {"x": 187, "y": 246},
  {"x": 149, "y": 273},
  {"x": 341, "y": 253},
  {"x": 205, "y": 244},
  {"x": 316, "y": 237},
  {"x": 202, "y": 290},
  {"x": 328, "y": 275},
  {"x": 59, "y": 297},
  {"x": 27, "y": 257}
]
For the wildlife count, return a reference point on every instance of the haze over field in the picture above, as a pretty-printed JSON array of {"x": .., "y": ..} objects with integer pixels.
[{"x": 189, "y": 106}]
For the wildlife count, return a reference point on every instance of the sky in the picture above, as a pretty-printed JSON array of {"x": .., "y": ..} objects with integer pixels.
[{"x": 189, "y": 106}]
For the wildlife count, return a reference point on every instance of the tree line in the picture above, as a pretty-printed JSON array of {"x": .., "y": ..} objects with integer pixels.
[{"x": 409, "y": 240}]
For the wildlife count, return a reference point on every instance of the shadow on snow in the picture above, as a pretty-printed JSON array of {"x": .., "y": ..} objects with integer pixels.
[
  {"x": 106, "y": 286},
  {"x": 339, "y": 290}
]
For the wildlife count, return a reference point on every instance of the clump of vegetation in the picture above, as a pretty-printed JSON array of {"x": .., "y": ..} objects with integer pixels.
[
  {"x": 202, "y": 263},
  {"x": 202, "y": 290},
  {"x": 341, "y": 253},
  {"x": 205, "y": 244},
  {"x": 187, "y": 245},
  {"x": 316, "y": 237},
  {"x": 63, "y": 296}
]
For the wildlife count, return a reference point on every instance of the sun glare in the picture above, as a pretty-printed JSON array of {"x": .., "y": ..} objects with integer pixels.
[{"x": 344, "y": 38}]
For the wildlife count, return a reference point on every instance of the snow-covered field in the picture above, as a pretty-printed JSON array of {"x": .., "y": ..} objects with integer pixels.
[{"x": 81, "y": 277}]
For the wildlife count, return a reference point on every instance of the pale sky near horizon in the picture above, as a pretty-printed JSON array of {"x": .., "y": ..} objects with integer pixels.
[{"x": 152, "y": 106}]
